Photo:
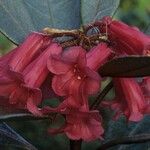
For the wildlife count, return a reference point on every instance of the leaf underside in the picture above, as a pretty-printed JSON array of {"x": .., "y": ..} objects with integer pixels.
[
  {"x": 132, "y": 66},
  {"x": 20, "y": 17},
  {"x": 8, "y": 137}
]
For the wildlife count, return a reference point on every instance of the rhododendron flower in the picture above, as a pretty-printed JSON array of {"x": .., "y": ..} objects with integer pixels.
[
  {"x": 28, "y": 93},
  {"x": 76, "y": 78},
  {"x": 75, "y": 73},
  {"x": 81, "y": 125},
  {"x": 13, "y": 63},
  {"x": 28, "y": 50},
  {"x": 123, "y": 38},
  {"x": 129, "y": 99}
]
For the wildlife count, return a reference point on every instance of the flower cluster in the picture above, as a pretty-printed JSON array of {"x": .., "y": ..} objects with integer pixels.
[
  {"x": 132, "y": 98},
  {"x": 41, "y": 68}
]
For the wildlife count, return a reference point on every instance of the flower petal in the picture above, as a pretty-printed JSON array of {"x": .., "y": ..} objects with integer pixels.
[
  {"x": 23, "y": 94},
  {"x": 75, "y": 54},
  {"x": 27, "y": 50},
  {"x": 36, "y": 72},
  {"x": 58, "y": 66},
  {"x": 130, "y": 99},
  {"x": 33, "y": 108},
  {"x": 87, "y": 127},
  {"x": 124, "y": 39},
  {"x": 6, "y": 89},
  {"x": 92, "y": 81},
  {"x": 91, "y": 86},
  {"x": 98, "y": 55},
  {"x": 60, "y": 83}
]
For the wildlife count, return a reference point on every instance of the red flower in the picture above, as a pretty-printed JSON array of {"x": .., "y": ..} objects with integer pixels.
[
  {"x": 81, "y": 125},
  {"x": 34, "y": 44},
  {"x": 75, "y": 75},
  {"x": 13, "y": 63},
  {"x": 76, "y": 78},
  {"x": 28, "y": 93},
  {"x": 123, "y": 38},
  {"x": 129, "y": 99}
]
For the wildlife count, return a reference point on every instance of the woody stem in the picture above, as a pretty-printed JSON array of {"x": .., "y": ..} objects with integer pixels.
[
  {"x": 75, "y": 144},
  {"x": 101, "y": 96},
  {"x": 59, "y": 32}
]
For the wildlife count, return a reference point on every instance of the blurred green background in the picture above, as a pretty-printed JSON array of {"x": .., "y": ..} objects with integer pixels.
[{"x": 133, "y": 12}]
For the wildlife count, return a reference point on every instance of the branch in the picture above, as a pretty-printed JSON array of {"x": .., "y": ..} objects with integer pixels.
[
  {"x": 60, "y": 32},
  {"x": 101, "y": 96},
  {"x": 141, "y": 138}
]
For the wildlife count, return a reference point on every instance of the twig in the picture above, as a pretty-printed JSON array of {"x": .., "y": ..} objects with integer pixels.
[
  {"x": 141, "y": 138},
  {"x": 101, "y": 96},
  {"x": 60, "y": 32}
]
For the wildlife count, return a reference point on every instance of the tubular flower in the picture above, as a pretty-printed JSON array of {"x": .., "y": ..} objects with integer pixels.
[
  {"x": 28, "y": 93},
  {"x": 75, "y": 73},
  {"x": 81, "y": 125},
  {"x": 76, "y": 78},
  {"x": 13, "y": 63},
  {"x": 129, "y": 99},
  {"x": 123, "y": 38},
  {"x": 28, "y": 50}
]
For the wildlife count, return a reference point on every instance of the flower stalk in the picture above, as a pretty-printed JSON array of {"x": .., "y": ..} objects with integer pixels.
[
  {"x": 75, "y": 145},
  {"x": 101, "y": 96}
]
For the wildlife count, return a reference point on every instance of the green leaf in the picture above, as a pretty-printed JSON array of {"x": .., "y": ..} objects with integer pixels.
[
  {"x": 133, "y": 66},
  {"x": 19, "y": 17},
  {"x": 10, "y": 139},
  {"x": 92, "y": 10}
]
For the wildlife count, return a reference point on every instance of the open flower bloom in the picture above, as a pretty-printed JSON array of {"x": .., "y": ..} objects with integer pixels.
[
  {"x": 123, "y": 38},
  {"x": 75, "y": 73},
  {"x": 129, "y": 99},
  {"x": 13, "y": 63},
  {"x": 28, "y": 93},
  {"x": 81, "y": 125},
  {"x": 76, "y": 78}
]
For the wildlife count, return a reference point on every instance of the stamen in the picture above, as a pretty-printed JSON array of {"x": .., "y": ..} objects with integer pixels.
[
  {"x": 79, "y": 78},
  {"x": 78, "y": 73}
]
